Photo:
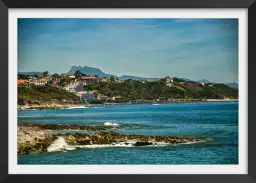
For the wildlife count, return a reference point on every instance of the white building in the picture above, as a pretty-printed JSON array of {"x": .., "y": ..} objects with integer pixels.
[
  {"x": 72, "y": 76},
  {"x": 170, "y": 84},
  {"x": 169, "y": 80},
  {"x": 40, "y": 83},
  {"x": 70, "y": 87}
]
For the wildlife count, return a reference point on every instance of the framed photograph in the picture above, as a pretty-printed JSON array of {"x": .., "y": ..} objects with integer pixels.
[{"x": 127, "y": 91}]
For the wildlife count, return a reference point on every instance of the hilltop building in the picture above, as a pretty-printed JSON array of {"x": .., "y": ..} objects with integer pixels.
[
  {"x": 89, "y": 79},
  {"x": 118, "y": 98},
  {"x": 104, "y": 79},
  {"x": 170, "y": 84},
  {"x": 87, "y": 95},
  {"x": 23, "y": 83},
  {"x": 68, "y": 76}
]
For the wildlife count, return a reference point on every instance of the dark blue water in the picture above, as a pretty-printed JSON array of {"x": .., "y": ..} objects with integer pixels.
[{"x": 218, "y": 120}]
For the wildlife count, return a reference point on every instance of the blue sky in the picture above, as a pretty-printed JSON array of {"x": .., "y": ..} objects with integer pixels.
[{"x": 187, "y": 48}]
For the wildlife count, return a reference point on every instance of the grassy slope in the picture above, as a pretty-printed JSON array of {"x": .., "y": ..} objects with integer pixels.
[
  {"x": 131, "y": 89},
  {"x": 39, "y": 94}
]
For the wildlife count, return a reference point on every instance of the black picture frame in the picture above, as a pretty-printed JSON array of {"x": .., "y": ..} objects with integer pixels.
[{"x": 5, "y": 4}]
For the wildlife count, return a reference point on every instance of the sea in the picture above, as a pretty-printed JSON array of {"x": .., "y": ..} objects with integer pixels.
[{"x": 217, "y": 120}]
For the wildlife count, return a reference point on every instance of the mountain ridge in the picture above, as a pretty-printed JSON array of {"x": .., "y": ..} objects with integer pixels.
[
  {"x": 96, "y": 71},
  {"x": 88, "y": 71}
]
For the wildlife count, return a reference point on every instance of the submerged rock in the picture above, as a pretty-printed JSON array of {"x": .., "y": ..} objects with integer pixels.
[{"x": 145, "y": 143}]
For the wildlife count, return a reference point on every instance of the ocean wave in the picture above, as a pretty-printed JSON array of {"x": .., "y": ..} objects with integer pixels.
[
  {"x": 110, "y": 124},
  {"x": 77, "y": 107},
  {"x": 155, "y": 104},
  {"x": 104, "y": 145},
  {"x": 61, "y": 145},
  {"x": 58, "y": 145}
]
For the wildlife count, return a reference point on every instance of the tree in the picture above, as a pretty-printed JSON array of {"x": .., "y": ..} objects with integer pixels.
[
  {"x": 45, "y": 74},
  {"x": 78, "y": 74},
  {"x": 117, "y": 78},
  {"x": 23, "y": 76},
  {"x": 112, "y": 79},
  {"x": 20, "y": 76},
  {"x": 55, "y": 76},
  {"x": 63, "y": 84}
]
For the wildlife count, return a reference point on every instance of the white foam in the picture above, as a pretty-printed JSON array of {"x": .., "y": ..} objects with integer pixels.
[
  {"x": 77, "y": 107},
  {"x": 155, "y": 104},
  {"x": 130, "y": 143},
  {"x": 70, "y": 148},
  {"x": 58, "y": 145},
  {"x": 105, "y": 145},
  {"x": 193, "y": 142},
  {"x": 61, "y": 145},
  {"x": 110, "y": 124},
  {"x": 94, "y": 146}
]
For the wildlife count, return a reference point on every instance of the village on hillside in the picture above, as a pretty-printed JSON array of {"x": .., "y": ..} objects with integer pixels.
[
  {"x": 73, "y": 83},
  {"x": 83, "y": 86}
]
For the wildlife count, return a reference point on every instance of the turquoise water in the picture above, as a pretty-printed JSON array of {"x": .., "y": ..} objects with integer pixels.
[{"x": 218, "y": 120}]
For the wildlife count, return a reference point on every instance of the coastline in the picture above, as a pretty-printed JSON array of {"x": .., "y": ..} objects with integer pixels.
[
  {"x": 49, "y": 106},
  {"x": 70, "y": 105}
]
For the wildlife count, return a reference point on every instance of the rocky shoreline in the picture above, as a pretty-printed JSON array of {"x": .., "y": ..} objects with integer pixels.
[
  {"x": 63, "y": 106},
  {"x": 166, "y": 101},
  {"x": 34, "y": 138},
  {"x": 67, "y": 127},
  {"x": 48, "y": 106}
]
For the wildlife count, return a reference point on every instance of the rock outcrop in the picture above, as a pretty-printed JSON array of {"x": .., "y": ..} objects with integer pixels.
[
  {"x": 34, "y": 138},
  {"x": 69, "y": 127}
]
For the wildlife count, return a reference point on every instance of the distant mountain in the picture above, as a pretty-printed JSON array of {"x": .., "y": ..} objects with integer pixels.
[
  {"x": 34, "y": 73},
  {"x": 125, "y": 77},
  {"x": 232, "y": 85},
  {"x": 186, "y": 79},
  {"x": 204, "y": 81},
  {"x": 91, "y": 71},
  {"x": 31, "y": 73}
]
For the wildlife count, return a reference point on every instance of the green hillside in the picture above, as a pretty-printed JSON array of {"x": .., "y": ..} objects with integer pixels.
[
  {"x": 131, "y": 89},
  {"x": 44, "y": 94}
]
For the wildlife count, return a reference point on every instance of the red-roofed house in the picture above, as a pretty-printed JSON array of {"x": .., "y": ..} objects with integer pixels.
[{"x": 89, "y": 79}]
